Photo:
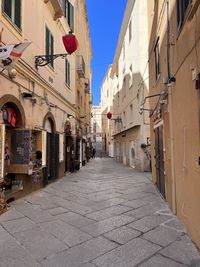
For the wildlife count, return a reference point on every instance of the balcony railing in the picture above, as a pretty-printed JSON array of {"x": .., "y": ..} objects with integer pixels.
[
  {"x": 80, "y": 66},
  {"x": 58, "y": 6}
]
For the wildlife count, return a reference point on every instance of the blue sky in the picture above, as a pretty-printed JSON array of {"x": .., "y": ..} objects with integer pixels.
[{"x": 105, "y": 19}]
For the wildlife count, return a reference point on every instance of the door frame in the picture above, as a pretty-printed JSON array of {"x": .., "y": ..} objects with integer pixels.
[{"x": 159, "y": 158}]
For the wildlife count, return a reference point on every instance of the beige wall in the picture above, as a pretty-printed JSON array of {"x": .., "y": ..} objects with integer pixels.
[
  {"x": 130, "y": 86},
  {"x": 107, "y": 106},
  {"x": 180, "y": 113},
  {"x": 83, "y": 105}
]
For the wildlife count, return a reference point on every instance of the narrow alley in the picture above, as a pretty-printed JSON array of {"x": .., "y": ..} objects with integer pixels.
[{"x": 104, "y": 215}]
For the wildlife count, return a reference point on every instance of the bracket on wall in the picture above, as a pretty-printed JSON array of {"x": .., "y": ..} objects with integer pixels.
[{"x": 43, "y": 60}]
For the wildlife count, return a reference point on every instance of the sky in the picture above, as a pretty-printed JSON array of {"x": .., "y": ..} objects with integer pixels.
[{"x": 105, "y": 19}]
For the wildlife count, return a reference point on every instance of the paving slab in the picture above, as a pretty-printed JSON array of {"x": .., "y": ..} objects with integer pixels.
[
  {"x": 130, "y": 254},
  {"x": 65, "y": 232},
  {"x": 14, "y": 255},
  {"x": 39, "y": 244},
  {"x": 75, "y": 219},
  {"x": 107, "y": 225},
  {"x": 109, "y": 212},
  {"x": 160, "y": 261},
  {"x": 122, "y": 235},
  {"x": 149, "y": 222},
  {"x": 162, "y": 236},
  {"x": 10, "y": 215},
  {"x": 81, "y": 254},
  {"x": 183, "y": 251},
  {"x": 18, "y": 225}
]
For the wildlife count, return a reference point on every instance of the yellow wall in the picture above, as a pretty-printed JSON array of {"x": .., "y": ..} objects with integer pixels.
[{"x": 180, "y": 115}]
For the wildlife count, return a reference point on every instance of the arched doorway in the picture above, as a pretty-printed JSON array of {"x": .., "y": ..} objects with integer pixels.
[
  {"x": 52, "y": 149},
  {"x": 14, "y": 148},
  {"x": 69, "y": 148},
  {"x": 15, "y": 112}
]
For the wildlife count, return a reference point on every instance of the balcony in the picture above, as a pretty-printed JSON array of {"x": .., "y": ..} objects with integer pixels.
[
  {"x": 58, "y": 6},
  {"x": 80, "y": 66}
]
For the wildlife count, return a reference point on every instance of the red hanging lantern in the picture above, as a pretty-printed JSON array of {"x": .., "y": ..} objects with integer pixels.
[
  {"x": 109, "y": 115},
  {"x": 70, "y": 42}
]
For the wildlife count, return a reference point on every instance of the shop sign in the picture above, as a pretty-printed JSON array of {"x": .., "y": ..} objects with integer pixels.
[{"x": 2, "y": 147}]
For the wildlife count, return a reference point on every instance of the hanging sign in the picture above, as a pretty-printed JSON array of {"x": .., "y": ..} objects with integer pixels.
[
  {"x": 109, "y": 115},
  {"x": 2, "y": 147},
  {"x": 70, "y": 43}
]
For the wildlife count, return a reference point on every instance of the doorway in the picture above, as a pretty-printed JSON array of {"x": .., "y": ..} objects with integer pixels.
[
  {"x": 159, "y": 158},
  {"x": 52, "y": 156}
]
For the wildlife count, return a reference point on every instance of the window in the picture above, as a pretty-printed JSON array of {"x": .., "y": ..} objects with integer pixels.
[
  {"x": 130, "y": 31},
  {"x": 182, "y": 8},
  {"x": 69, "y": 14},
  {"x": 124, "y": 87},
  {"x": 157, "y": 59},
  {"x": 124, "y": 119},
  {"x": 49, "y": 44},
  {"x": 131, "y": 112},
  {"x": 12, "y": 8},
  {"x": 67, "y": 72}
]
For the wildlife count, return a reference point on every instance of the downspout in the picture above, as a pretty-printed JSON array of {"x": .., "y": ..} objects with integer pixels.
[{"x": 174, "y": 205}]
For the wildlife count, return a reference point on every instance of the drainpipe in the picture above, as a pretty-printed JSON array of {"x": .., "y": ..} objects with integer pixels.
[{"x": 174, "y": 205}]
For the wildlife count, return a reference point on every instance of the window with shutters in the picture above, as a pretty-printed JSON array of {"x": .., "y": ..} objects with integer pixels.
[
  {"x": 69, "y": 14},
  {"x": 67, "y": 73},
  {"x": 12, "y": 9},
  {"x": 49, "y": 45},
  {"x": 157, "y": 59},
  {"x": 182, "y": 11}
]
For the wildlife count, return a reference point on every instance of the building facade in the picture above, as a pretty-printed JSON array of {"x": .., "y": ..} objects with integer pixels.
[
  {"x": 174, "y": 106},
  {"x": 96, "y": 131},
  {"x": 107, "y": 107},
  {"x": 82, "y": 84},
  {"x": 38, "y": 138},
  {"x": 130, "y": 85}
]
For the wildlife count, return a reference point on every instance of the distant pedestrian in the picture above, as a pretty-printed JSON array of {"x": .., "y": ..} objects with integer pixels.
[{"x": 93, "y": 152}]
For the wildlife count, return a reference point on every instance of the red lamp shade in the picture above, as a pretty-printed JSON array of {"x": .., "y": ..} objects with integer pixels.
[
  {"x": 70, "y": 42},
  {"x": 109, "y": 115}
]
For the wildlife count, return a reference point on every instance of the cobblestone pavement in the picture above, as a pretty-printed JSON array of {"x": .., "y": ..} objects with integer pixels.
[{"x": 105, "y": 215}]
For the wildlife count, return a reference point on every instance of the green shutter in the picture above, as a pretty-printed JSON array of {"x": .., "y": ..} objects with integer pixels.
[
  {"x": 66, "y": 71},
  {"x": 17, "y": 17},
  {"x": 52, "y": 47},
  {"x": 7, "y": 7},
  {"x": 69, "y": 74},
  {"x": 70, "y": 17},
  {"x": 47, "y": 41},
  {"x": 66, "y": 9}
]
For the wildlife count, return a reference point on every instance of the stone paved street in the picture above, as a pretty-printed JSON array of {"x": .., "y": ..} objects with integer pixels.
[{"x": 105, "y": 215}]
